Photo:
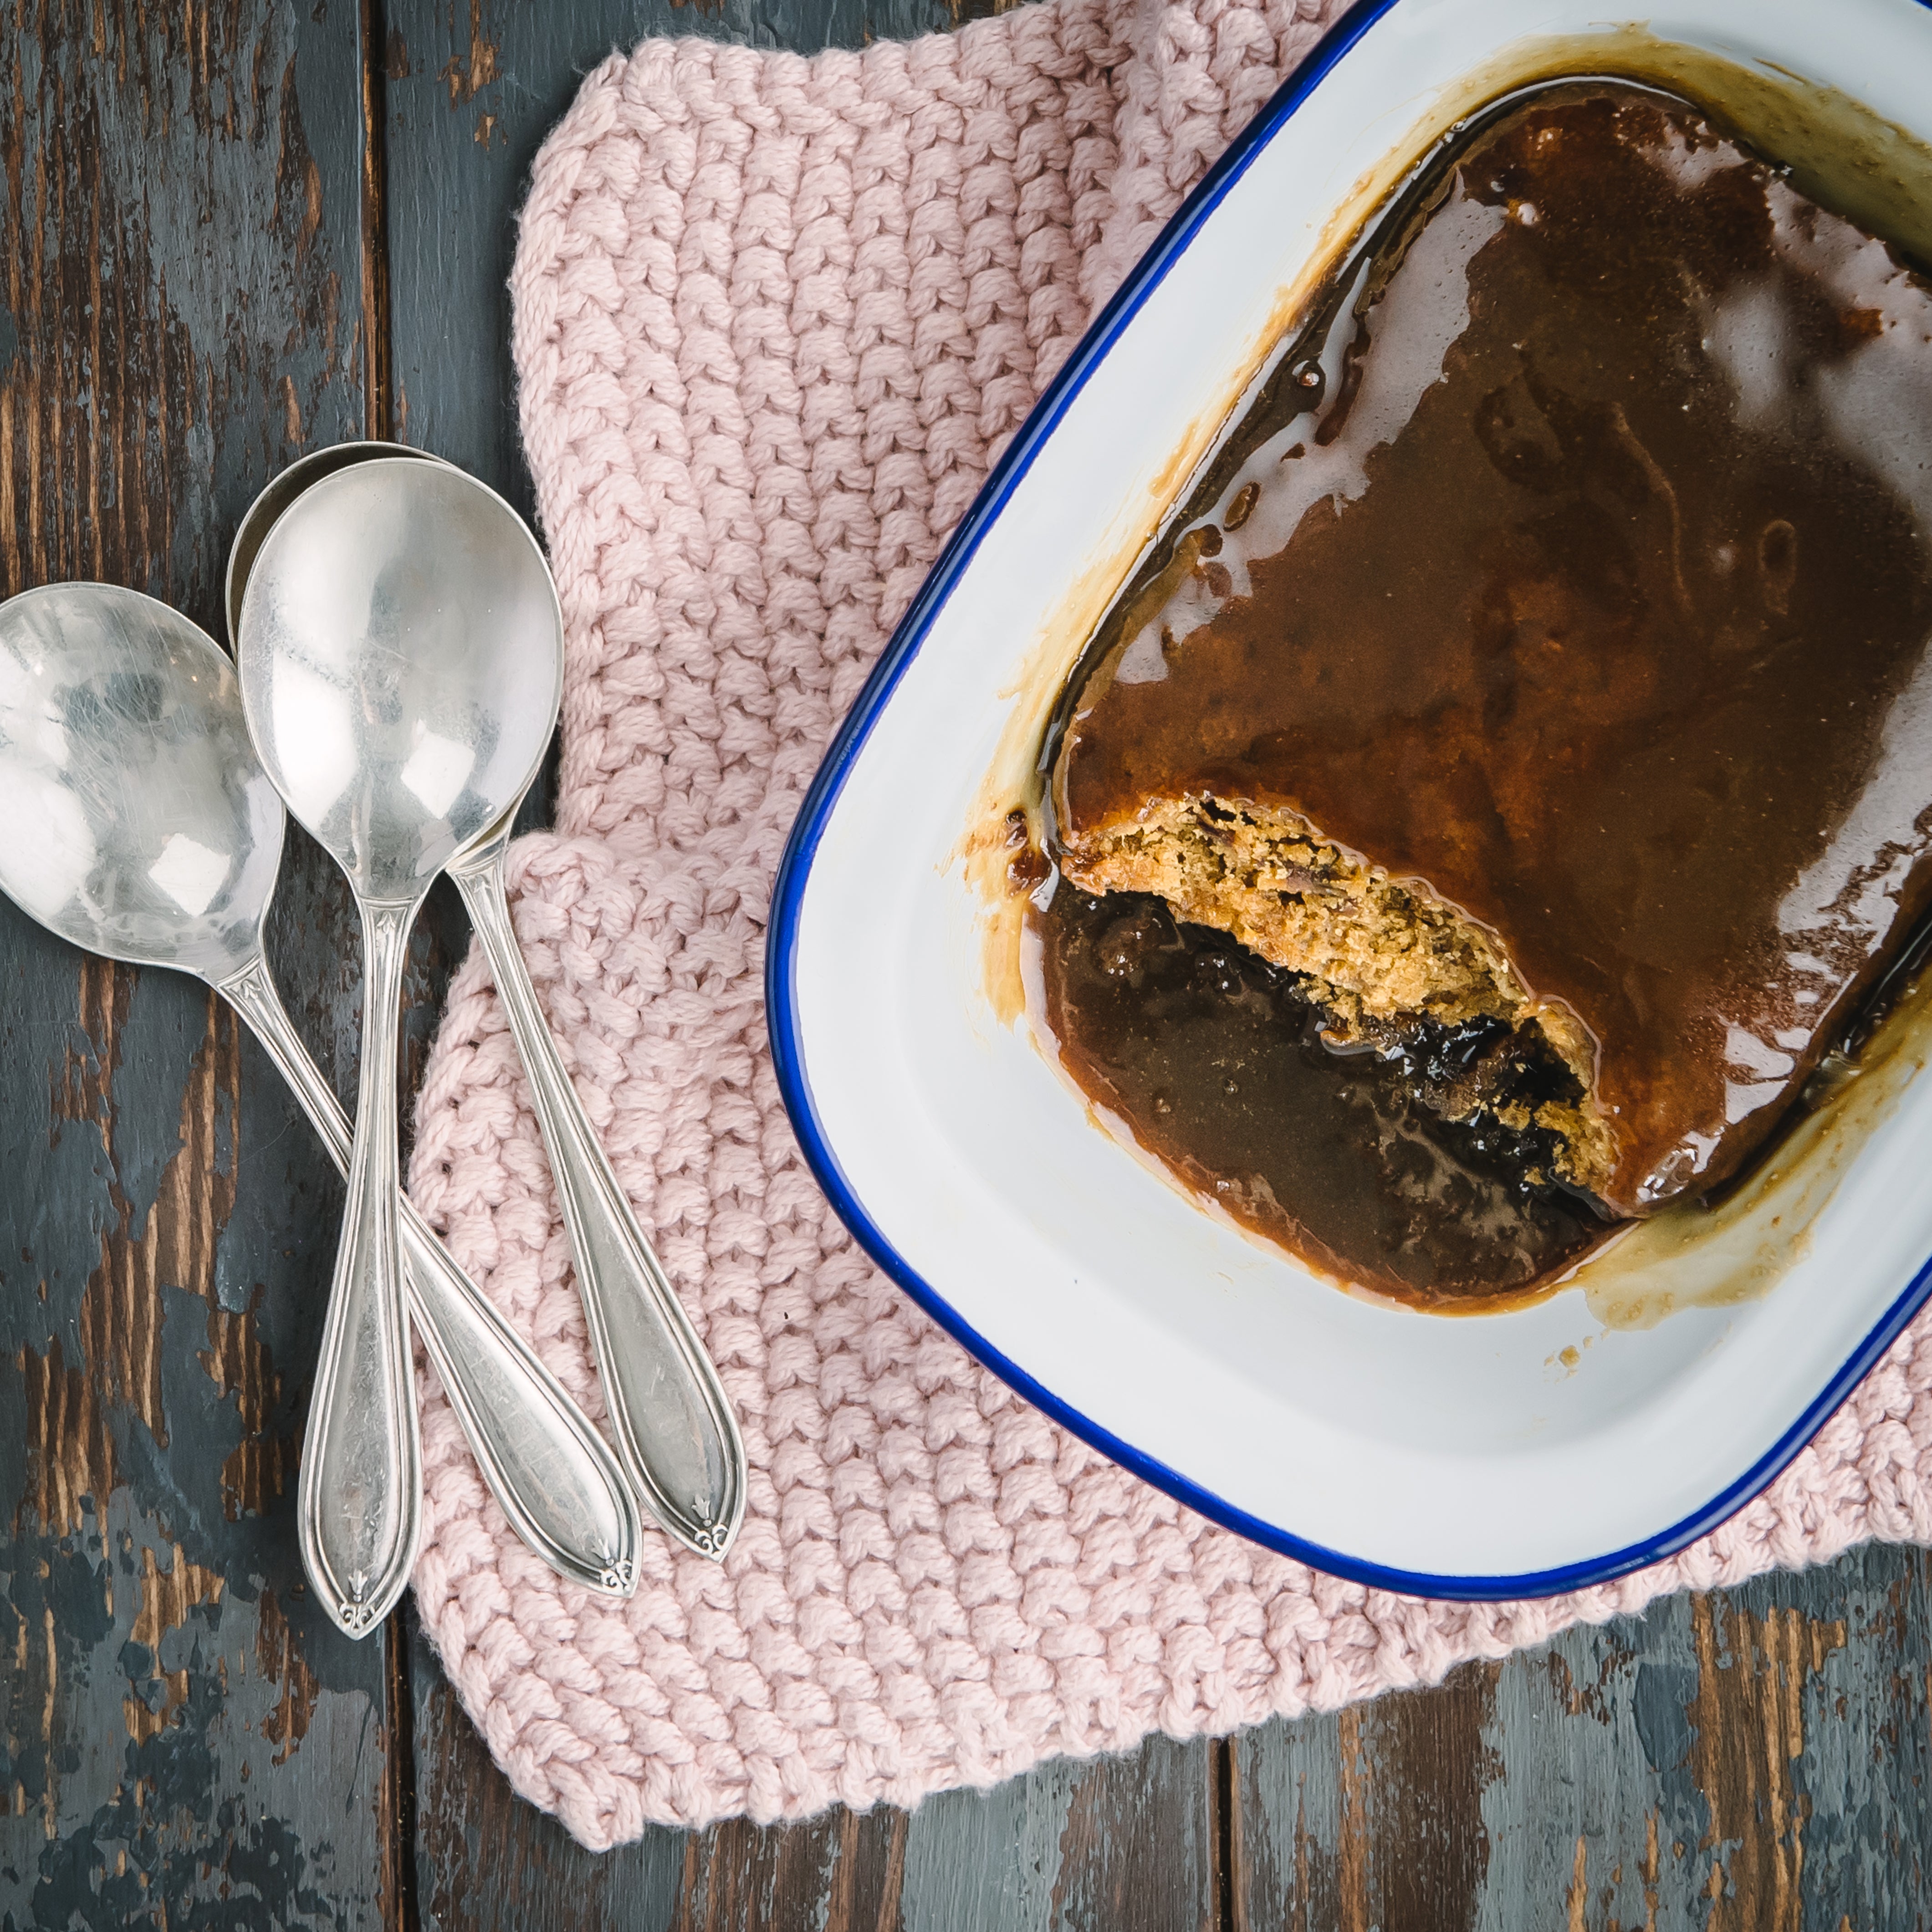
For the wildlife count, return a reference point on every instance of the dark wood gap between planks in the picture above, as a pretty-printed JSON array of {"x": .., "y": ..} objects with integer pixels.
[
  {"x": 1224, "y": 1810},
  {"x": 397, "y": 1888},
  {"x": 399, "y": 1905},
  {"x": 379, "y": 424}
]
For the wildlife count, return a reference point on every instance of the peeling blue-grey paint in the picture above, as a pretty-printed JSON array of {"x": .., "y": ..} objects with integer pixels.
[{"x": 182, "y": 1740}]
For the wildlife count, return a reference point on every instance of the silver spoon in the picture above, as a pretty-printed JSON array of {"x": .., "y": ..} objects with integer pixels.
[
  {"x": 143, "y": 829},
  {"x": 674, "y": 1425},
  {"x": 401, "y": 658}
]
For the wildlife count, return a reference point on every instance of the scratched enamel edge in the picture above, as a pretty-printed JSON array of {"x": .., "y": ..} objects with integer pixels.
[{"x": 177, "y": 1727}]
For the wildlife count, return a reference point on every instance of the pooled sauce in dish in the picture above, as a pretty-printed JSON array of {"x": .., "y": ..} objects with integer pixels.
[{"x": 1573, "y": 560}]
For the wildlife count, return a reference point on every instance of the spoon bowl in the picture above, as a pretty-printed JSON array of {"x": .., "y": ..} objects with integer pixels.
[
  {"x": 265, "y": 510},
  {"x": 106, "y": 698},
  {"x": 401, "y": 654}
]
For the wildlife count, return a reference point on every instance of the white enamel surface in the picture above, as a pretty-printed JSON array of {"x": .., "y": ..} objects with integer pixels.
[{"x": 1453, "y": 1449}]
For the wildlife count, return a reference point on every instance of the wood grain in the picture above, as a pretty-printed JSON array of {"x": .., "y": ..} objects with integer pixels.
[
  {"x": 180, "y": 242},
  {"x": 1752, "y": 1758},
  {"x": 1125, "y": 1844}
]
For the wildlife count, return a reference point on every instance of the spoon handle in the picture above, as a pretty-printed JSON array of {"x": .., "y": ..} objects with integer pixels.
[
  {"x": 676, "y": 1431},
  {"x": 358, "y": 1506},
  {"x": 556, "y": 1482}
]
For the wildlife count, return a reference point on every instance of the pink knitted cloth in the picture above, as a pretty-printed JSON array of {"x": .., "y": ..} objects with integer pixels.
[{"x": 774, "y": 319}]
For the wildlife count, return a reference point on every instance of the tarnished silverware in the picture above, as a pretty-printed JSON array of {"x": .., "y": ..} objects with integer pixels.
[
  {"x": 146, "y": 831},
  {"x": 674, "y": 1425},
  {"x": 400, "y": 653}
]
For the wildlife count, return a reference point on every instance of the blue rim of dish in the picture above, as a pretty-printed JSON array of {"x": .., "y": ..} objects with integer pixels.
[{"x": 795, "y": 868}]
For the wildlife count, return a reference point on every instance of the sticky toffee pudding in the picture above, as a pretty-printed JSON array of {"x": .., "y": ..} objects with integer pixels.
[{"x": 1512, "y": 764}]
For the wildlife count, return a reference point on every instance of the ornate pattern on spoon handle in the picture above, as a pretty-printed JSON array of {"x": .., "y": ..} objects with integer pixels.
[
  {"x": 359, "y": 1502},
  {"x": 675, "y": 1429},
  {"x": 557, "y": 1483}
]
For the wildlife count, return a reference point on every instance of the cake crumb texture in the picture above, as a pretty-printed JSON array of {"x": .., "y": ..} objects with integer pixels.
[{"x": 1381, "y": 951}]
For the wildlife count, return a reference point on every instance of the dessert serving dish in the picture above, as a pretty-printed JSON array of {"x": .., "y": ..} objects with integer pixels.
[{"x": 1615, "y": 1411}]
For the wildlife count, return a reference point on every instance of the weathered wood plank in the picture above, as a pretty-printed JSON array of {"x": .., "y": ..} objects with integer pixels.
[
  {"x": 181, "y": 1740},
  {"x": 1122, "y": 1844},
  {"x": 1754, "y": 1759}
]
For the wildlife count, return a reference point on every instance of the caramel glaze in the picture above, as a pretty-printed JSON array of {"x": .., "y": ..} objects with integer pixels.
[{"x": 1574, "y": 561}]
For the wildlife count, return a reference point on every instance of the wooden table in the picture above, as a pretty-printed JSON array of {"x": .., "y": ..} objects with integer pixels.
[{"x": 230, "y": 233}]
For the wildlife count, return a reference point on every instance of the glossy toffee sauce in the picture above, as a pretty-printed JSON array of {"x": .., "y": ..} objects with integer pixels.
[{"x": 1572, "y": 559}]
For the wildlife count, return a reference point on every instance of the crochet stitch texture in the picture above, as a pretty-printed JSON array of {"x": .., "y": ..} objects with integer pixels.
[{"x": 774, "y": 318}]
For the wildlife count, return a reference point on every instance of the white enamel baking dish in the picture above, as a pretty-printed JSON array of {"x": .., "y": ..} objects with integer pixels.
[{"x": 1505, "y": 1455}]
